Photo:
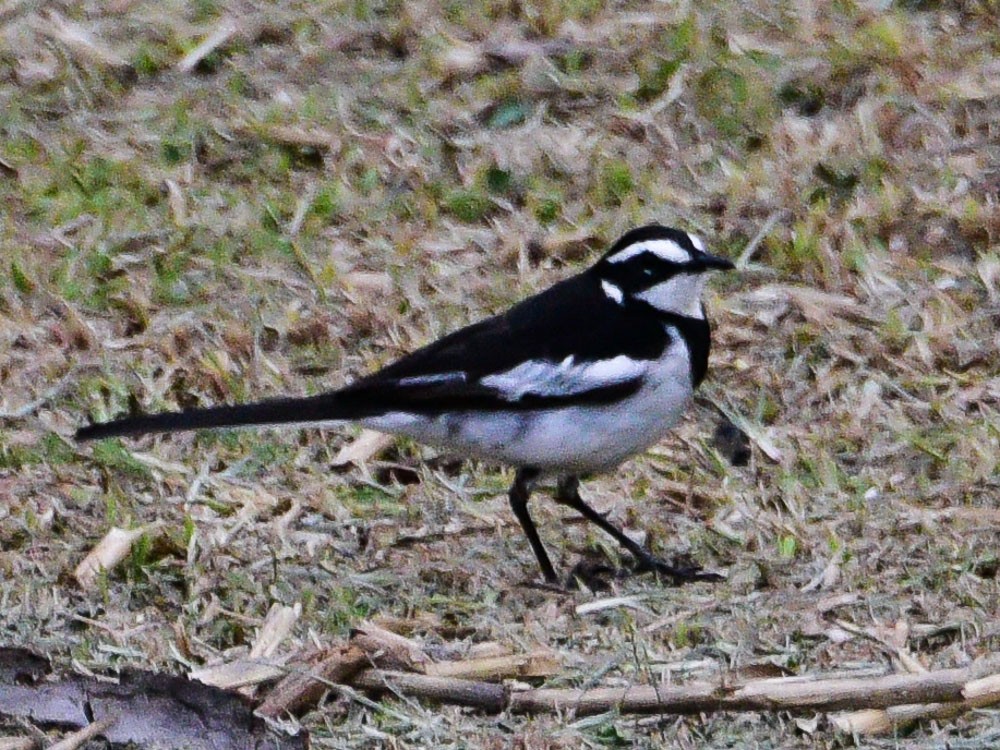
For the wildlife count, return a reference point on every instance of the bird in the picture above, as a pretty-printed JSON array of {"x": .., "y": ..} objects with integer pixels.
[{"x": 565, "y": 384}]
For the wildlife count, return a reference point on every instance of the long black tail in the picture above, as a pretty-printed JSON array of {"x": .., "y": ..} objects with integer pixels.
[{"x": 322, "y": 408}]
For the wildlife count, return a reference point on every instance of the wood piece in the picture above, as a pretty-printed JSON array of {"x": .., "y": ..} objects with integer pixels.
[
  {"x": 486, "y": 696},
  {"x": 423, "y": 621},
  {"x": 983, "y": 692},
  {"x": 304, "y": 686},
  {"x": 978, "y": 694},
  {"x": 540, "y": 663},
  {"x": 111, "y": 550},
  {"x": 390, "y": 650},
  {"x": 875, "y": 721},
  {"x": 276, "y": 628},
  {"x": 238, "y": 673}
]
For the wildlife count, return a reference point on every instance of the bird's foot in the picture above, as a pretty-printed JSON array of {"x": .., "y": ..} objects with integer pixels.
[
  {"x": 597, "y": 575},
  {"x": 591, "y": 574},
  {"x": 680, "y": 571}
]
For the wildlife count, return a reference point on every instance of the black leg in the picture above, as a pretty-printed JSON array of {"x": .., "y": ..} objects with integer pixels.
[
  {"x": 519, "y": 493},
  {"x": 568, "y": 494}
]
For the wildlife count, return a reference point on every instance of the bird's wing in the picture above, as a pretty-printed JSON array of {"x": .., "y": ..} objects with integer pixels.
[
  {"x": 554, "y": 349},
  {"x": 531, "y": 384}
]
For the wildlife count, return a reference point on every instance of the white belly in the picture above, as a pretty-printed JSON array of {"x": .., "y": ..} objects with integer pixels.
[{"x": 577, "y": 439}]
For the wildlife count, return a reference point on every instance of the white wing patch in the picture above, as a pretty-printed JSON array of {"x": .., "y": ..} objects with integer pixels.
[
  {"x": 434, "y": 379},
  {"x": 613, "y": 292},
  {"x": 696, "y": 241},
  {"x": 542, "y": 378},
  {"x": 665, "y": 249}
]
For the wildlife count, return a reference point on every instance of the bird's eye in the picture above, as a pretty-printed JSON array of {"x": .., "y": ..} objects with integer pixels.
[{"x": 647, "y": 271}]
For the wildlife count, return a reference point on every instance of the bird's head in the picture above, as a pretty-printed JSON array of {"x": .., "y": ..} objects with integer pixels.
[{"x": 662, "y": 266}]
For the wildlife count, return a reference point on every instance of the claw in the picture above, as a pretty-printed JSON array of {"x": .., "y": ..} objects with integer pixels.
[{"x": 679, "y": 572}]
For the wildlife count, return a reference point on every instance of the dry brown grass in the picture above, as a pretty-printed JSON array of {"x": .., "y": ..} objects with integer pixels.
[{"x": 337, "y": 183}]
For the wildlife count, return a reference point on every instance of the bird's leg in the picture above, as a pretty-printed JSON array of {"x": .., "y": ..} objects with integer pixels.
[
  {"x": 519, "y": 493},
  {"x": 568, "y": 494}
]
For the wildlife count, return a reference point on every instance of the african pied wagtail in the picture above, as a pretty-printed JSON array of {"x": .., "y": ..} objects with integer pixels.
[{"x": 571, "y": 381}]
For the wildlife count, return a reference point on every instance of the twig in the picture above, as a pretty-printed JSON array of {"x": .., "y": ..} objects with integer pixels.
[
  {"x": 225, "y": 31},
  {"x": 302, "y": 207},
  {"x": 390, "y": 651},
  {"x": 425, "y": 535},
  {"x": 82, "y": 45},
  {"x": 486, "y": 696},
  {"x": 294, "y": 136},
  {"x": 81, "y": 736},
  {"x": 599, "y": 605},
  {"x": 203, "y": 471},
  {"x": 765, "y": 230},
  {"x": 26, "y": 409},
  {"x": 780, "y": 694}
]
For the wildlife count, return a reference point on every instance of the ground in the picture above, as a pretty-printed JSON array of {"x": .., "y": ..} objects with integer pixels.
[{"x": 325, "y": 186}]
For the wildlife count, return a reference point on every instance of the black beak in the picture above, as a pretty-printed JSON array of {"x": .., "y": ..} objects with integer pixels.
[{"x": 716, "y": 262}]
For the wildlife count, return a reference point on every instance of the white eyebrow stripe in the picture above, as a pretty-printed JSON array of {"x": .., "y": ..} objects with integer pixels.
[
  {"x": 613, "y": 292},
  {"x": 696, "y": 241},
  {"x": 665, "y": 249}
]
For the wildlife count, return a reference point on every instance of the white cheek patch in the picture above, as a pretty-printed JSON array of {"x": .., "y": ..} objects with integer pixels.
[
  {"x": 664, "y": 249},
  {"x": 542, "y": 378},
  {"x": 679, "y": 294},
  {"x": 613, "y": 292},
  {"x": 696, "y": 241}
]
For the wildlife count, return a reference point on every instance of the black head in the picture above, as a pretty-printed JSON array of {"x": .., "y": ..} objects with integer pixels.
[{"x": 662, "y": 266}]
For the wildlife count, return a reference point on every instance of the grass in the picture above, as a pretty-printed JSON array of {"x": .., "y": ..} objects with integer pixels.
[{"x": 341, "y": 183}]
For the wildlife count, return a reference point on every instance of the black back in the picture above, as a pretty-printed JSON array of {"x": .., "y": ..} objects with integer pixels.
[{"x": 572, "y": 318}]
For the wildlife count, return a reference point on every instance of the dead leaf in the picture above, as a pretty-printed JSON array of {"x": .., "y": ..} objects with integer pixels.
[
  {"x": 111, "y": 550},
  {"x": 362, "y": 448}
]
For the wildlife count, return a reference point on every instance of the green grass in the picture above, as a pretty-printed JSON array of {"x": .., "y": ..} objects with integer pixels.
[
  {"x": 114, "y": 458},
  {"x": 470, "y": 154},
  {"x": 468, "y": 205}
]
